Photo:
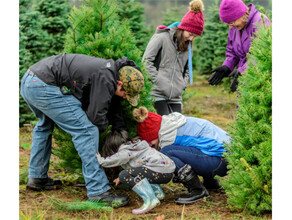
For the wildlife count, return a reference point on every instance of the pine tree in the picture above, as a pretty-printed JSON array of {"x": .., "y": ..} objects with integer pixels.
[
  {"x": 210, "y": 48},
  {"x": 97, "y": 30},
  {"x": 54, "y": 22},
  {"x": 42, "y": 27},
  {"x": 249, "y": 182},
  {"x": 133, "y": 11},
  {"x": 173, "y": 14}
]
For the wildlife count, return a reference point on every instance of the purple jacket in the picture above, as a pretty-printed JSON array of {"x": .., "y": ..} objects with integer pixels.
[{"x": 238, "y": 43}]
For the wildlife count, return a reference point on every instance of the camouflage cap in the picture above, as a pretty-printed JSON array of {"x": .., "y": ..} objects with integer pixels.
[{"x": 133, "y": 83}]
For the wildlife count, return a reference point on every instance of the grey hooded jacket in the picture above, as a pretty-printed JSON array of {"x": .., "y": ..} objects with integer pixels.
[
  {"x": 138, "y": 154},
  {"x": 168, "y": 79}
]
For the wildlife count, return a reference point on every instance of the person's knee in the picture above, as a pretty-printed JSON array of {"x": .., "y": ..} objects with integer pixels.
[{"x": 167, "y": 150}]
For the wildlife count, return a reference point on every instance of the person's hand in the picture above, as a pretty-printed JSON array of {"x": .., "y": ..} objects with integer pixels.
[
  {"x": 117, "y": 181},
  {"x": 220, "y": 73},
  {"x": 234, "y": 74}
]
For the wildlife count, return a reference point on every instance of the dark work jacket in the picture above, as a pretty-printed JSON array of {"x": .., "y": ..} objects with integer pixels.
[{"x": 93, "y": 81}]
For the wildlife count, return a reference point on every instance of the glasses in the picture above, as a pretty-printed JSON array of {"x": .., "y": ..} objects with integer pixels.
[{"x": 232, "y": 23}]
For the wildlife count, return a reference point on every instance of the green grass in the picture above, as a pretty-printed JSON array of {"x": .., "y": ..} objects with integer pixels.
[{"x": 25, "y": 145}]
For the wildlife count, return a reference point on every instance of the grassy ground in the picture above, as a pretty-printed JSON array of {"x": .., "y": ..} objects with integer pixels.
[{"x": 208, "y": 102}]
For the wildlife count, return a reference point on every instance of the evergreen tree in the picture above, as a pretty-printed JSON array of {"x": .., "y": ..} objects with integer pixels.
[
  {"x": 96, "y": 30},
  {"x": 210, "y": 48},
  {"x": 249, "y": 182},
  {"x": 42, "y": 27},
  {"x": 172, "y": 15},
  {"x": 54, "y": 22},
  {"x": 32, "y": 44},
  {"x": 133, "y": 11}
]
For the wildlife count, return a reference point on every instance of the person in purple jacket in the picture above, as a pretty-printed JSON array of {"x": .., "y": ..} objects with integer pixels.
[{"x": 242, "y": 21}]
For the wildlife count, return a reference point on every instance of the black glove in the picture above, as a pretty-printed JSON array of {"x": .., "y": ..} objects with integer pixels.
[
  {"x": 220, "y": 73},
  {"x": 235, "y": 74}
]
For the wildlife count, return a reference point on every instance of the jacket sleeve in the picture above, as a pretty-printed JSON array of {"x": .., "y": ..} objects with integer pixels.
[
  {"x": 99, "y": 101},
  {"x": 231, "y": 58},
  {"x": 120, "y": 158},
  {"x": 150, "y": 54},
  {"x": 115, "y": 114}
]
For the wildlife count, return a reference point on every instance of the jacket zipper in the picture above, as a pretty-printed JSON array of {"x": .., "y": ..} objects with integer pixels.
[{"x": 173, "y": 76}]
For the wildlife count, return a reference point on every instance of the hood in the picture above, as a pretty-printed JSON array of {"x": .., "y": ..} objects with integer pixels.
[
  {"x": 162, "y": 29},
  {"x": 168, "y": 130},
  {"x": 252, "y": 13},
  {"x": 133, "y": 145}
]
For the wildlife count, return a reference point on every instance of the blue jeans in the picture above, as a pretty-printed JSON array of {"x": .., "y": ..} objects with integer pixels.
[
  {"x": 52, "y": 107},
  {"x": 203, "y": 164}
]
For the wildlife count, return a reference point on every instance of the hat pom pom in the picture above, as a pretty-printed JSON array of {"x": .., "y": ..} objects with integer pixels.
[
  {"x": 140, "y": 114},
  {"x": 197, "y": 6}
]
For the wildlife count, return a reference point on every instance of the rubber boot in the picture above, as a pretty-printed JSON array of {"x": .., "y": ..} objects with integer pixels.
[
  {"x": 212, "y": 184},
  {"x": 145, "y": 191},
  {"x": 196, "y": 190},
  {"x": 158, "y": 191}
]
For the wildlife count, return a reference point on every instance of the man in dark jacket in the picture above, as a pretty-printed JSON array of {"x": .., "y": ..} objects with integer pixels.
[{"x": 81, "y": 94}]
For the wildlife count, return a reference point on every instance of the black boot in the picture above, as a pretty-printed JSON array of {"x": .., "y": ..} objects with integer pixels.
[
  {"x": 110, "y": 199},
  {"x": 38, "y": 184},
  {"x": 196, "y": 190},
  {"x": 212, "y": 184}
]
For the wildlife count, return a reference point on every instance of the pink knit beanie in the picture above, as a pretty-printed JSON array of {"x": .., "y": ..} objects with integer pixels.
[
  {"x": 231, "y": 10},
  {"x": 193, "y": 21}
]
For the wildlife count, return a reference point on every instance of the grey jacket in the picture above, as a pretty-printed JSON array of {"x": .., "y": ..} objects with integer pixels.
[
  {"x": 138, "y": 154},
  {"x": 168, "y": 79}
]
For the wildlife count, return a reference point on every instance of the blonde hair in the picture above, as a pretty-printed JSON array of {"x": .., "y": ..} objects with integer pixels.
[{"x": 140, "y": 114}]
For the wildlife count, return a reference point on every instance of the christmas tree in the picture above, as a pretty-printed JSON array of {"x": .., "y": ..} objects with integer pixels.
[
  {"x": 54, "y": 22},
  {"x": 249, "y": 182},
  {"x": 210, "y": 48},
  {"x": 133, "y": 11},
  {"x": 42, "y": 26},
  {"x": 96, "y": 30}
]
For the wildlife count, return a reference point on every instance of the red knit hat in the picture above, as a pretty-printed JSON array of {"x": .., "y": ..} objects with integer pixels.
[
  {"x": 193, "y": 21},
  {"x": 148, "y": 124}
]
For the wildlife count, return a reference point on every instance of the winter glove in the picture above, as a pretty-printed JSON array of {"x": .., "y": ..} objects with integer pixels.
[
  {"x": 220, "y": 73},
  {"x": 235, "y": 74}
]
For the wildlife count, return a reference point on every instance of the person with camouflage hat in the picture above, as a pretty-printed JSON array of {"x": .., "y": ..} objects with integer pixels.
[{"x": 80, "y": 94}]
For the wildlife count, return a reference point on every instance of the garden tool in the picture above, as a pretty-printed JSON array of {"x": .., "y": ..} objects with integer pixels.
[{"x": 145, "y": 191}]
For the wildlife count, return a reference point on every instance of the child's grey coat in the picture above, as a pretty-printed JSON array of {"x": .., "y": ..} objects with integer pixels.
[{"x": 138, "y": 154}]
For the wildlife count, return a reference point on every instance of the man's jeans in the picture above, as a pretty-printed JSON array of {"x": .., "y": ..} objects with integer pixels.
[
  {"x": 203, "y": 164},
  {"x": 51, "y": 106}
]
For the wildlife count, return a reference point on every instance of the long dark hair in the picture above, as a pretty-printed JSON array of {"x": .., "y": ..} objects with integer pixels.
[
  {"x": 113, "y": 141},
  {"x": 181, "y": 44}
]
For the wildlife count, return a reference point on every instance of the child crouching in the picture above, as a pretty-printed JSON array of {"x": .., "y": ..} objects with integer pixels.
[{"x": 144, "y": 167}]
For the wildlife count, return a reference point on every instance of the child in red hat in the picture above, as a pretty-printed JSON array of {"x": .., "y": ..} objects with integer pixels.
[{"x": 195, "y": 145}]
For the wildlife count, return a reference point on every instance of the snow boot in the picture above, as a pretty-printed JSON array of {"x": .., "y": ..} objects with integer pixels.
[
  {"x": 145, "y": 191},
  {"x": 212, "y": 184},
  {"x": 196, "y": 190},
  {"x": 158, "y": 191}
]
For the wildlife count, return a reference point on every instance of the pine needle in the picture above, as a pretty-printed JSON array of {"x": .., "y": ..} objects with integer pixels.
[{"x": 80, "y": 205}]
